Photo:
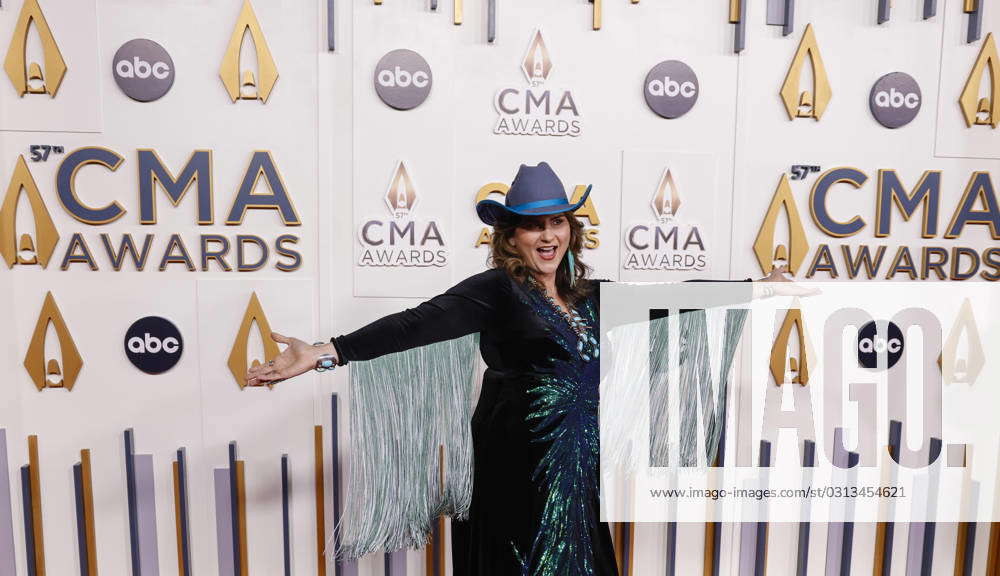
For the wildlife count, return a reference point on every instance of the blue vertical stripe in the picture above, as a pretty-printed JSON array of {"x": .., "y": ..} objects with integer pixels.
[
  {"x": 29, "y": 522},
  {"x": 81, "y": 519},
  {"x": 133, "y": 528},
  {"x": 234, "y": 507},
  {"x": 285, "y": 519},
  {"x": 185, "y": 543}
]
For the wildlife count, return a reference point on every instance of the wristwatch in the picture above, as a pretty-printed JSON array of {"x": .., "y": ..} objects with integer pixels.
[{"x": 325, "y": 361}]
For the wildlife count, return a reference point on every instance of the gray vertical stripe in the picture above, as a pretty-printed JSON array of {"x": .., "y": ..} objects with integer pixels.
[
  {"x": 748, "y": 548},
  {"x": 975, "y": 24},
  {"x": 775, "y": 12},
  {"x": 740, "y": 37},
  {"x": 491, "y": 21},
  {"x": 789, "y": 26},
  {"x": 883, "y": 11},
  {"x": 145, "y": 504},
  {"x": 930, "y": 9},
  {"x": 330, "y": 25},
  {"x": 802, "y": 557},
  {"x": 7, "y": 564},
  {"x": 835, "y": 532},
  {"x": 223, "y": 522}
]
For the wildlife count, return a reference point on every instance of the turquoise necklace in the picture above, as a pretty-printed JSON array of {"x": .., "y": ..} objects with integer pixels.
[{"x": 586, "y": 345}]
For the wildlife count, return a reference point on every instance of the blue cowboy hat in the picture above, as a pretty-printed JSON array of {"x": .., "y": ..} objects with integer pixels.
[{"x": 535, "y": 191}]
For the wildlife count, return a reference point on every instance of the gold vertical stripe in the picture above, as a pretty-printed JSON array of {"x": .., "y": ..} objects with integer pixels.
[
  {"x": 879, "y": 562},
  {"x": 36, "y": 504},
  {"x": 960, "y": 559},
  {"x": 970, "y": 6},
  {"x": 993, "y": 557},
  {"x": 709, "y": 562},
  {"x": 88, "y": 511},
  {"x": 241, "y": 505},
  {"x": 429, "y": 557},
  {"x": 458, "y": 11},
  {"x": 734, "y": 11},
  {"x": 320, "y": 499},
  {"x": 378, "y": 2},
  {"x": 597, "y": 14},
  {"x": 177, "y": 517}
]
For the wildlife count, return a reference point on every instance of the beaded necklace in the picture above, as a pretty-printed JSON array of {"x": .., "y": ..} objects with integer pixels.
[{"x": 586, "y": 345}]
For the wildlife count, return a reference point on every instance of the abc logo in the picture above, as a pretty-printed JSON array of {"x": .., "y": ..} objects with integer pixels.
[
  {"x": 895, "y": 100},
  {"x": 671, "y": 89},
  {"x": 668, "y": 87},
  {"x": 879, "y": 340},
  {"x": 403, "y": 79},
  {"x": 153, "y": 344},
  {"x": 143, "y": 70}
]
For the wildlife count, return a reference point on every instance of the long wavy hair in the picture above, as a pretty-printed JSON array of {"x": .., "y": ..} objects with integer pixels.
[{"x": 505, "y": 256}]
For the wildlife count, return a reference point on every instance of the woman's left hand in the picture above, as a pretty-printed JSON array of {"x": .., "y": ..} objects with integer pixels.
[
  {"x": 297, "y": 358},
  {"x": 781, "y": 285}
]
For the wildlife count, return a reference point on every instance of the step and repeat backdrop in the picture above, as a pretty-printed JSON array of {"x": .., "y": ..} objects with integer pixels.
[{"x": 181, "y": 177}]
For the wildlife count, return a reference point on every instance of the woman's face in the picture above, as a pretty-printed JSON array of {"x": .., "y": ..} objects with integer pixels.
[{"x": 542, "y": 241}]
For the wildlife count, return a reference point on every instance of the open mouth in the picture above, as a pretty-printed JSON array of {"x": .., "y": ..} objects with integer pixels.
[{"x": 547, "y": 252}]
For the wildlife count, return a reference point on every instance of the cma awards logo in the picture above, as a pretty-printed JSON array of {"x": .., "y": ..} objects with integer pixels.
[
  {"x": 34, "y": 77},
  {"x": 792, "y": 353},
  {"x": 782, "y": 239},
  {"x": 239, "y": 355},
  {"x": 239, "y": 80},
  {"x": 28, "y": 236},
  {"x": 401, "y": 240},
  {"x": 962, "y": 357},
  {"x": 980, "y": 101},
  {"x": 536, "y": 110},
  {"x": 666, "y": 243},
  {"x": 587, "y": 213},
  {"x": 52, "y": 366},
  {"x": 811, "y": 102}
]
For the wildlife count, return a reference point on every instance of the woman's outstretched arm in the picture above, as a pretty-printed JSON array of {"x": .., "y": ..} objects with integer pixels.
[{"x": 468, "y": 307}]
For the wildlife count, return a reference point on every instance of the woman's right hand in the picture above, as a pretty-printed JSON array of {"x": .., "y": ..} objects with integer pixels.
[{"x": 297, "y": 358}]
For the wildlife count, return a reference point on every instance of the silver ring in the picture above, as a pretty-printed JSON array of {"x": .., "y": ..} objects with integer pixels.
[{"x": 270, "y": 363}]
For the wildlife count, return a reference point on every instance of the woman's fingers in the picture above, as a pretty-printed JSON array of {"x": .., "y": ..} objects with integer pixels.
[{"x": 280, "y": 338}]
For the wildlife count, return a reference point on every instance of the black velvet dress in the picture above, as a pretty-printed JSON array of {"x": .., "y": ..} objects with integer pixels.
[{"x": 535, "y": 501}]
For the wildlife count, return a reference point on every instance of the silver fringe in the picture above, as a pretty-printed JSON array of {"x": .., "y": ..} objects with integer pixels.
[
  {"x": 404, "y": 406},
  {"x": 641, "y": 354}
]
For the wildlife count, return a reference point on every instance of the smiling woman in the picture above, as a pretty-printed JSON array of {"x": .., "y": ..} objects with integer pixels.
[{"x": 533, "y": 508}]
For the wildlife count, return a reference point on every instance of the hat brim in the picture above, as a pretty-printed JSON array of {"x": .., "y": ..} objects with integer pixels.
[{"x": 490, "y": 211}]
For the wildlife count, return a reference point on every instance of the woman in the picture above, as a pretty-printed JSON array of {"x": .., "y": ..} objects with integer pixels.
[{"x": 535, "y": 508}]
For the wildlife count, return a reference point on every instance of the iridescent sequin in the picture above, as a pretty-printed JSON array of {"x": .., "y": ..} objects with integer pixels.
[{"x": 564, "y": 416}]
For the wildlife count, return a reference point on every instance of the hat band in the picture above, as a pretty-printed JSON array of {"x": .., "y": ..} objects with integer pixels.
[{"x": 537, "y": 204}]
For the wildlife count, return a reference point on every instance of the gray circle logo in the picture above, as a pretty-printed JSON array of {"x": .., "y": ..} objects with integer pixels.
[
  {"x": 143, "y": 70},
  {"x": 153, "y": 344},
  {"x": 895, "y": 99},
  {"x": 671, "y": 89},
  {"x": 403, "y": 79}
]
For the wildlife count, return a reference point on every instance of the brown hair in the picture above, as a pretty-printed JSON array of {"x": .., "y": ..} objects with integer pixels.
[{"x": 505, "y": 256}]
